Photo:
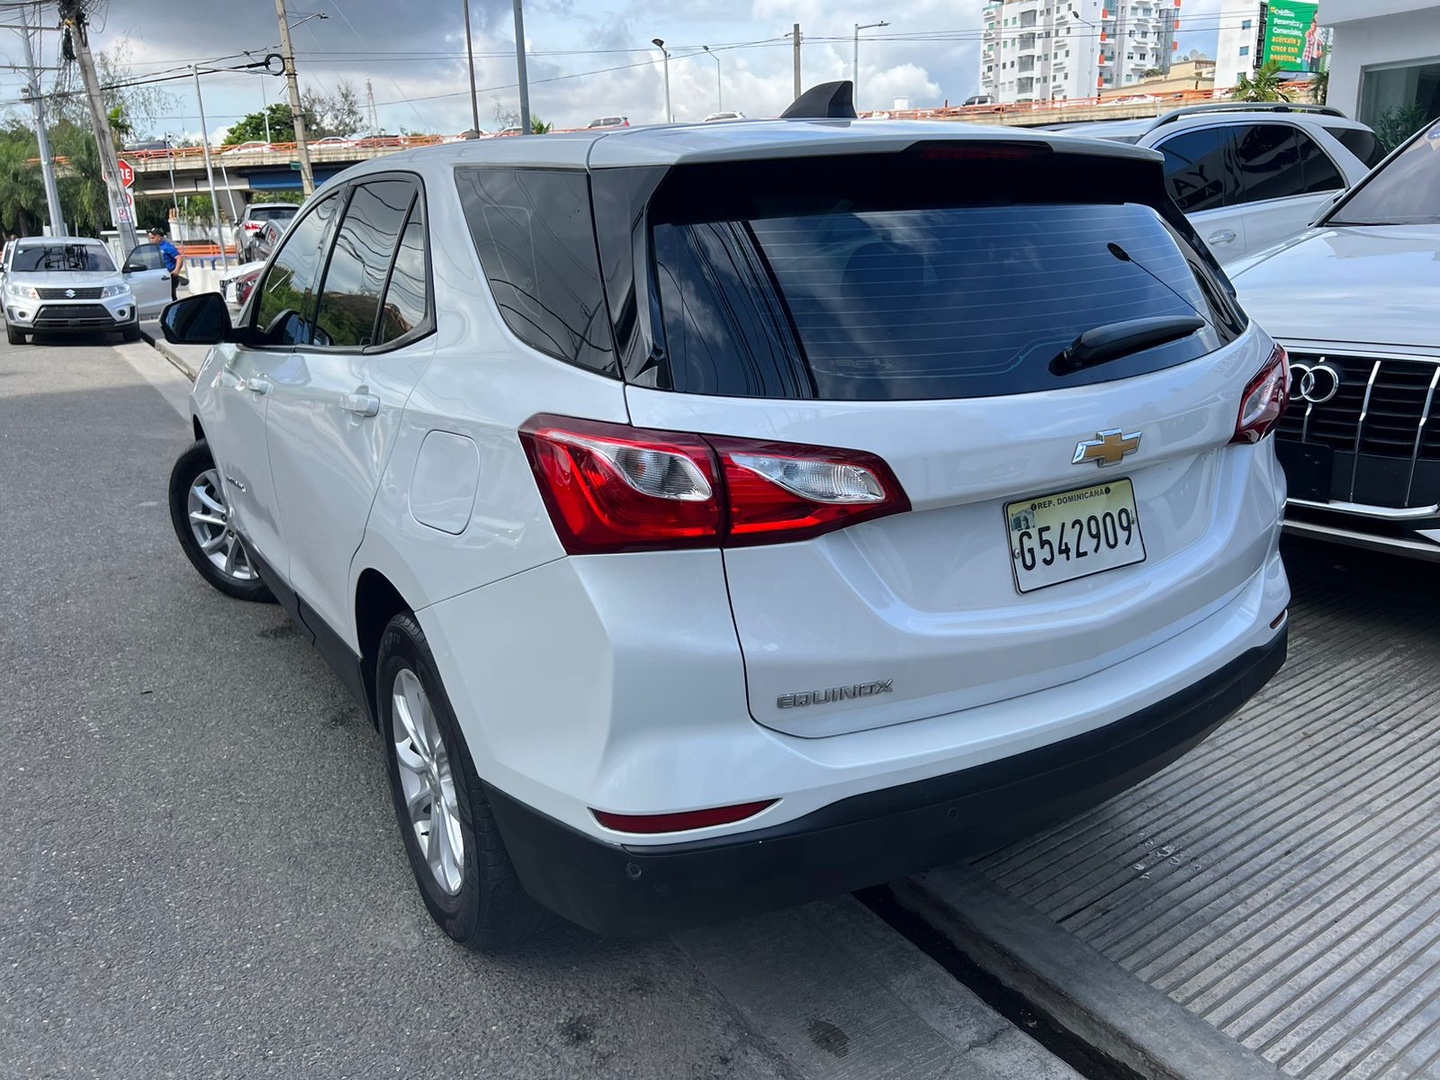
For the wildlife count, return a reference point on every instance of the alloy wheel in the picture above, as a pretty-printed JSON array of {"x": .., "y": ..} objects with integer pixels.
[
  {"x": 209, "y": 516},
  {"x": 427, "y": 781}
]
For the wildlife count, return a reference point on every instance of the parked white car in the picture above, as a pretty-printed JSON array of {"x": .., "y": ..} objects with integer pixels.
[
  {"x": 70, "y": 284},
  {"x": 1355, "y": 299},
  {"x": 718, "y": 516},
  {"x": 1250, "y": 175}
]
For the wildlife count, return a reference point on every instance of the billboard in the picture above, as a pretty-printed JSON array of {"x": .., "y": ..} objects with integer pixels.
[{"x": 1293, "y": 37}]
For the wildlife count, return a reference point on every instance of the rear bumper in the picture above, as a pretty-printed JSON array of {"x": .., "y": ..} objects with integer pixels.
[{"x": 869, "y": 838}]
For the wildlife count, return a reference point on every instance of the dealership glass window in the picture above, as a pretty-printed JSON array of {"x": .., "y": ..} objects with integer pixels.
[{"x": 1393, "y": 90}]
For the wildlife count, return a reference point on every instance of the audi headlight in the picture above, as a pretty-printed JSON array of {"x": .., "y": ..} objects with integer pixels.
[
  {"x": 114, "y": 290},
  {"x": 21, "y": 292}
]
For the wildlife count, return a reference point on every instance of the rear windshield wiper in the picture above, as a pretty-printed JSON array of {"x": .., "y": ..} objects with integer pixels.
[{"x": 1114, "y": 340}]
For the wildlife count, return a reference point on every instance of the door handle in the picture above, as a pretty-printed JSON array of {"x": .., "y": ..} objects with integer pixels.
[
  {"x": 1224, "y": 236},
  {"x": 360, "y": 403},
  {"x": 256, "y": 385}
]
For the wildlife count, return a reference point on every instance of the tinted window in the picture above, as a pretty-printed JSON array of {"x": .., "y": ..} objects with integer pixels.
[
  {"x": 271, "y": 213},
  {"x": 1361, "y": 142},
  {"x": 360, "y": 263},
  {"x": 1199, "y": 169},
  {"x": 1276, "y": 161},
  {"x": 889, "y": 304},
  {"x": 146, "y": 255},
  {"x": 284, "y": 302},
  {"x": 1405, "y": 192},
  {"x": 63, "y": 257},
  {"x": 405, "y": 297},
  {"x": 533, "y": 231}
]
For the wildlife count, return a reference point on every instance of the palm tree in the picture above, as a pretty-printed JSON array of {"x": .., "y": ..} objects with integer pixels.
[
  {"x": 22, "y": 190},
  {"x": 539, "y": 127},
  {"x": 1264, "y": 85}
]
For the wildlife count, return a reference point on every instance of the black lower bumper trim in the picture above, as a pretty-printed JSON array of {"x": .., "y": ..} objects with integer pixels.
[{"x": 869, "y": 838}]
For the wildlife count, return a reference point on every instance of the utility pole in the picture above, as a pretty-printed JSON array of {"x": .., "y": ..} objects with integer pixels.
[
  {"x": 796, "y": 34},
  {"x": 47, "y": 161},
  {"x": 525, "y": 128},
  {"x": 174, "y": 190},
  {"x": 855, "y": 68},
  {"x": 302, "y": 148},
  {"x": 73, "y": 16},
  {"x": 719, "y": 101},
  {"x": 470, "y": 65},
  {"x": 209, "y": 170},
  {"x": 669, "y": 112}
]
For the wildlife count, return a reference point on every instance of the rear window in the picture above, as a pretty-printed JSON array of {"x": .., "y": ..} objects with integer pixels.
[
  {"x": 850, "y": 302},
  {"x": 1362, "y": 142},
  {"x": 272, "y": 213}
]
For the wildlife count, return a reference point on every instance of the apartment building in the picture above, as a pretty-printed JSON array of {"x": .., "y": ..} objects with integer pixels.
[
  {"x": 1057, "y": 50},
  {"x": 1238, "y": 51}
]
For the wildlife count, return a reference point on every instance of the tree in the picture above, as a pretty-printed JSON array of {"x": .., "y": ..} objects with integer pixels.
[
  {"x": 1264, "y": 85},
  {"x": 251, "y": 128},
  {"x": 539, "y": 127},
  {"x": 1398, "y": 123},
  {"x": 135, "y": 107},
  {"x": 331, "y": 114},
  {"x": 1153, "y": 73},
  {"x": 22, "y": 193}
]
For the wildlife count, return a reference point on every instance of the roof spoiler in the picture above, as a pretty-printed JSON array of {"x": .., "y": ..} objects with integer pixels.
[{"x": 827, "y": 101}]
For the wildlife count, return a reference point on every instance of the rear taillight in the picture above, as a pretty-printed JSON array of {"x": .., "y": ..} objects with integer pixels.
[
  {"x": 1265, "y": 399},
  {"x": 612, "y": 488}
]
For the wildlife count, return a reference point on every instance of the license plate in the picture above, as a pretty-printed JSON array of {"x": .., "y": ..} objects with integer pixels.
[{"x": 1073, "y": 534}]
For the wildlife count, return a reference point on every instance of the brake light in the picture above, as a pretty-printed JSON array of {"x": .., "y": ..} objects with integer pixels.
[
  {"x": 1266, "y": 397},
  {"x": 611, "y": 487},
  {"x": 689, "y": 819}
]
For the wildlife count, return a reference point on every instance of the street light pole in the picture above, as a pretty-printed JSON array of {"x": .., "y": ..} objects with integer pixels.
[
  {"x": 719, "y": 104},
  {"x": 209, "y": 170},
  {"x": 470, "y": 65},
  {"x": 525, "y": 126},
  {"x": 42, "y": 138},
  {"x": 302, "y": 148},
  {"x": 669, "y": 112},
  {"x": 855, "y": 69}
]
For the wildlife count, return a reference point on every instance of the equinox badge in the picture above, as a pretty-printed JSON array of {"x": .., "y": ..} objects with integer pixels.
[{"x": 835, "y": 693}]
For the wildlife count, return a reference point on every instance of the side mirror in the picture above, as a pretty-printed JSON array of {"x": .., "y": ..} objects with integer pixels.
[
  {"x": 132, "y": 268},
  {"x": 197, "y": 320}
]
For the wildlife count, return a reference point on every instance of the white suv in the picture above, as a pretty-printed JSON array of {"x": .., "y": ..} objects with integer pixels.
[
  {"x": 1250, "y": 175},
  {"x": 713, "y": 517}
]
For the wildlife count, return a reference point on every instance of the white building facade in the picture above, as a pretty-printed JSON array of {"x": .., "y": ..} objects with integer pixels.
[
  {"x": 1241, "y": 25},
  {"x": 1058, "y": 50},
  {"x": 1386, "y": 59}
]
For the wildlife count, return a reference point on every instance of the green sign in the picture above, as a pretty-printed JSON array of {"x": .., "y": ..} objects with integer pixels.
[
  {"x": 1293, "y": 37},
  {"x": 295, "y": 166}
]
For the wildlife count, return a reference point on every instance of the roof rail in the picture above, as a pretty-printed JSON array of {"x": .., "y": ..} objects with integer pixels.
[
  {"x": 826, "y": 101},
  {"x": 1246, "y": 106}
]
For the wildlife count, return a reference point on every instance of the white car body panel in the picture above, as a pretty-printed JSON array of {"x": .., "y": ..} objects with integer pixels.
[{"x": 618, "y": 681}]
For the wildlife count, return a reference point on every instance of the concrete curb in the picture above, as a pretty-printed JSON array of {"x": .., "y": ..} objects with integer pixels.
[
  {"x": 1081, "y": 990},
  {"x": 162, "y": 347}
]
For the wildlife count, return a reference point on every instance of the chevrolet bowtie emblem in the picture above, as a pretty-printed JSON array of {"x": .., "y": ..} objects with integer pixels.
[{"x": 1107, "y": 448}]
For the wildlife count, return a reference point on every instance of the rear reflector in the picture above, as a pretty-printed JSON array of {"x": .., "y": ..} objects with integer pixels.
[
  {"x": 689, "y": 819},
  {"x": 613, "y": 488}
]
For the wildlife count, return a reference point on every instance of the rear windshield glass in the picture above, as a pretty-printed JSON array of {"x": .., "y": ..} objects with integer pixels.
[
  {"x": 1405, "y": 192},
  {"x": 915, "y": 302},
  {"x": 69, "y": 257},
  {"x": 271, "y": 213}
]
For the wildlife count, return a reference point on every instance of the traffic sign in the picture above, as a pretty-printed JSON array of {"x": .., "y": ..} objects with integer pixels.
[{"x": 127, "y": 173}]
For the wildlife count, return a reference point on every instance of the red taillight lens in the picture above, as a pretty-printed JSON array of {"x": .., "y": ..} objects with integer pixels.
[
  {"x": 780, "y": 492},
  {"x": 1266, "y": 397},
  {"x": 689, "y": 819},
  {"x": 614, "y": 488},
  {"x": 611, "y": 488}
]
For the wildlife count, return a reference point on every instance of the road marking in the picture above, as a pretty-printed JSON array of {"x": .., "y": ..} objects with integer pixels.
[{"x": 160, "y": 374}]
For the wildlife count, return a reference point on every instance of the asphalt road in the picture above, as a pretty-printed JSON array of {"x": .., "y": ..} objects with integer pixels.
[{"x": 200, "y": 872}]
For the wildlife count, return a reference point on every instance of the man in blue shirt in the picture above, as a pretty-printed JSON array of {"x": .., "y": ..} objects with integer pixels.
[{"x": 173, "y": 259}]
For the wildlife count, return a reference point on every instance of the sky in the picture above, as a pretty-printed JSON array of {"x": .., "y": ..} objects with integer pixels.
[{"x": 586, "y": 58}]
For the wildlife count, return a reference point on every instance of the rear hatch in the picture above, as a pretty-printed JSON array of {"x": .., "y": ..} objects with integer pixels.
[{"x": 1058, "y": 512}]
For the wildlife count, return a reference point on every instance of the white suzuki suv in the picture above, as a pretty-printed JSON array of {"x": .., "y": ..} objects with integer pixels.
[{"x": 713, "y": 517}]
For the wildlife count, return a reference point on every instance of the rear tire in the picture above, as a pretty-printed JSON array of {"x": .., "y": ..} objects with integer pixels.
[
  {"x": 454, "y": 845},
  {"x": 201, "y": 518},
  {"x": 15, "y": 337}
]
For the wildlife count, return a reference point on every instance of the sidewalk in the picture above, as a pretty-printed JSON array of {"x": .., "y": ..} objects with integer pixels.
[
  {"x": 188, "y": 358},
  {"x": 1269, "y": 903}
]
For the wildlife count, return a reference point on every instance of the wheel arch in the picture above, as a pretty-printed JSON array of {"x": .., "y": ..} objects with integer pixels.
[
  {"x": 199, "y": 431},
  {"x": 377, "y": 601}
]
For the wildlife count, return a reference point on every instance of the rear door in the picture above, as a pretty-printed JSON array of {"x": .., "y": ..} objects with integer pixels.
[
  {"x": 1061, "y": 520},
  {"x": 335, "y": 411},
  {"x": 1204, "y": 180}
]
